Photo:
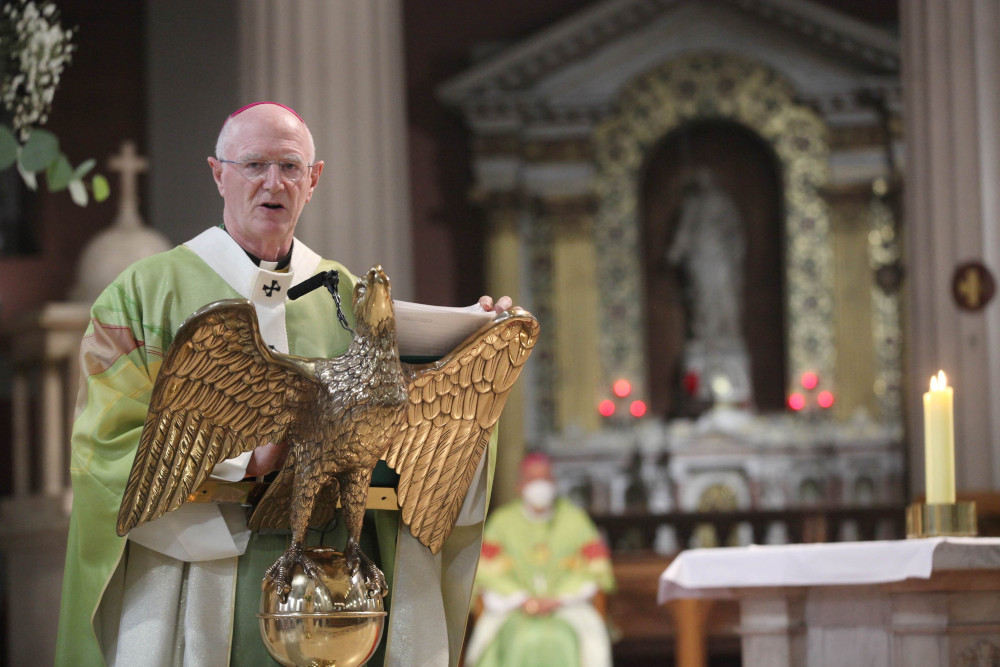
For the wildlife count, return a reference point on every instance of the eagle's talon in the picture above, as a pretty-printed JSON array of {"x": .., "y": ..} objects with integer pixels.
[
  {"x": 280, "y": 572},
  {"x": 356, "y": 561},
  {"x": 377, "y": 586}
]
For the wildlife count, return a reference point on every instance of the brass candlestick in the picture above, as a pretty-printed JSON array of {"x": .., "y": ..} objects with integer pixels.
[{"x": 941, "y": 519}]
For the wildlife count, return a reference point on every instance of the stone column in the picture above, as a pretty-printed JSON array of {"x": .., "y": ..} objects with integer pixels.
[
  {"x": 53, "y": 428},
  {"x": 952, "y": 113},
  {"x": 340, "y": 64},
  {"x": 574, "y": 307},
  {"x": 504, "y": 275},
  {"x": 21, "y": 417}
]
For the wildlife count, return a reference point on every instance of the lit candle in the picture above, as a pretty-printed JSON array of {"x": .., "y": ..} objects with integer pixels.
[{"x": 939, "y": 441}]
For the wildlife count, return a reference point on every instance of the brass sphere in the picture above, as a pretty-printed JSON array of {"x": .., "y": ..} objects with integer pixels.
[{"x": 332, "y": 623}]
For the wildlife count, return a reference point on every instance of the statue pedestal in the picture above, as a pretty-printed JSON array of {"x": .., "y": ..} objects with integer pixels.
[
  {"x": 45, "y": 349},
  {"x": 722, "y": 369},
  {"x": 33, "y": 532}
]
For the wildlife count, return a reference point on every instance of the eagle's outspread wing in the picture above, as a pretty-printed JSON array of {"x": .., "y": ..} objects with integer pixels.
[
  {"x": 220, "y": 392},
  {"x": 454, "y": 405}
]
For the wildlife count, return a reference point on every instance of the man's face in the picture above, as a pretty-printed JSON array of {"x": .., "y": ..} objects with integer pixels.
[
  {"x": 261, "y": 214},
  {"x": 537, "y": 485}
]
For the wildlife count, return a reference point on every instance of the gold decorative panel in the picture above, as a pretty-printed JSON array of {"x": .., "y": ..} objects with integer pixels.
[
  {"x": 849, "y": 231},
  {"x": 710, "y": 86}
]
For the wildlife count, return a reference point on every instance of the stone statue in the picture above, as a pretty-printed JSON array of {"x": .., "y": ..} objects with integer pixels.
[{"x": 709, "y": 245}]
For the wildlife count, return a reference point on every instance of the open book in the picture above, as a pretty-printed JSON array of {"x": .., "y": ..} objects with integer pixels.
[{"x": 431, "y": 331}]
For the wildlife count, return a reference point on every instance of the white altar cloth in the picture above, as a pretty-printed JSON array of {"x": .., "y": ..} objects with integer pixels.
[{"x": 699, "y": 573}]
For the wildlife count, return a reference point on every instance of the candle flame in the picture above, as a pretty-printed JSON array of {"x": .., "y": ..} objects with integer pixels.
[{"x": 939, "y": 381}]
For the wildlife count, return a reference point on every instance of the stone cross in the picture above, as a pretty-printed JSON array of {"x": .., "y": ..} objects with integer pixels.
[{"x": 129, "y": 164}]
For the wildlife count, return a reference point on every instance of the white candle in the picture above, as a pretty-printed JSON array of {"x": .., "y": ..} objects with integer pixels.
[{"x": 939, "y": 441}]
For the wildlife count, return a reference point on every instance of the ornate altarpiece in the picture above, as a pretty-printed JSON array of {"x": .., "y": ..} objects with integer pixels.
[{"x": 564, "y": 125}]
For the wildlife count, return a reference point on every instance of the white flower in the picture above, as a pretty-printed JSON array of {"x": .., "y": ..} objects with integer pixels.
[{"x": 34, "y": 50}]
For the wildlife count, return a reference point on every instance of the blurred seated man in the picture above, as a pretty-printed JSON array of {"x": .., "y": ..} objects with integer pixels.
[{"x": 542, "y": 564}]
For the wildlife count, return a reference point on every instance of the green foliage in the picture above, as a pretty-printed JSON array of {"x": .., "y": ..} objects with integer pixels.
[
  {"x": 101, "y": 188},
  {"x": 40, "y": 153},
  {"x": 59, "y": 173},
  {"x": 34, "y": 50}
]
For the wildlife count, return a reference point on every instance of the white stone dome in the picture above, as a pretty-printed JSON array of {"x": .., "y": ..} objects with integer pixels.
[
  {"x": 111, "y": 252},
  {"x": 126, "y": 241}
]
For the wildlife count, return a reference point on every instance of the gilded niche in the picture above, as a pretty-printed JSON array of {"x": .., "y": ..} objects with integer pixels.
[{"x": 704, "y": 87}]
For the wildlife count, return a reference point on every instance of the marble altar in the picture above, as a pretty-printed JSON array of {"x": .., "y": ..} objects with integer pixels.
[{"x": 919, "y": 603}]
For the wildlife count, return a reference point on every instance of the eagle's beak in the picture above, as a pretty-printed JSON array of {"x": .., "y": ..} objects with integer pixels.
[{"x": 376, "y": 304}]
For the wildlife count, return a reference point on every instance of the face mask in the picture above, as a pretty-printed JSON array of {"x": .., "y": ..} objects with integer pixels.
[{"x": 539, "y": 494}]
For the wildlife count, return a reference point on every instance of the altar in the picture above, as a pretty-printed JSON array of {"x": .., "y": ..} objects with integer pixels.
[{"x": 919, "y": 603}]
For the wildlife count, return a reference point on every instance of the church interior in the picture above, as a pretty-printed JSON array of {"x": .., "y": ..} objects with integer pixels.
[{"x": 751, "y": 230}]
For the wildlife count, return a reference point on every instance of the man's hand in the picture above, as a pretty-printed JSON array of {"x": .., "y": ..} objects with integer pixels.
[
  {"x": 502, "y": 304},
  {"x": 267, "y": 458},
  {"x": 539, "y": 606}
]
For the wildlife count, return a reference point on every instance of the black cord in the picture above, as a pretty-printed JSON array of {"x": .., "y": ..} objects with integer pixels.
[{"x": 330, "y": 280}]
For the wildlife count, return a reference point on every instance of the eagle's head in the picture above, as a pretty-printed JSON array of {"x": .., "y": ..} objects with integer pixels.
[{"x": 373, "y": 299}]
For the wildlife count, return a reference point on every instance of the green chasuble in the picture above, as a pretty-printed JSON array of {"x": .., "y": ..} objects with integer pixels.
[
  {"x": 557, "y": 558},
  {"x": 132, "y": 324}
]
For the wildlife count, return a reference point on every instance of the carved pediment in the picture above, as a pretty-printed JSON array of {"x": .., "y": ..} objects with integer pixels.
[{"x": 573, "y": 70}]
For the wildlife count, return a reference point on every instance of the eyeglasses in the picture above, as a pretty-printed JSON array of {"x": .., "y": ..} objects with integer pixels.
[{"x": 256, "y": 170}]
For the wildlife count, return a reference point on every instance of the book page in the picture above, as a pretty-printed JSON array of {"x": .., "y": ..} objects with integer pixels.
[{"x": 431, "y": 331}]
